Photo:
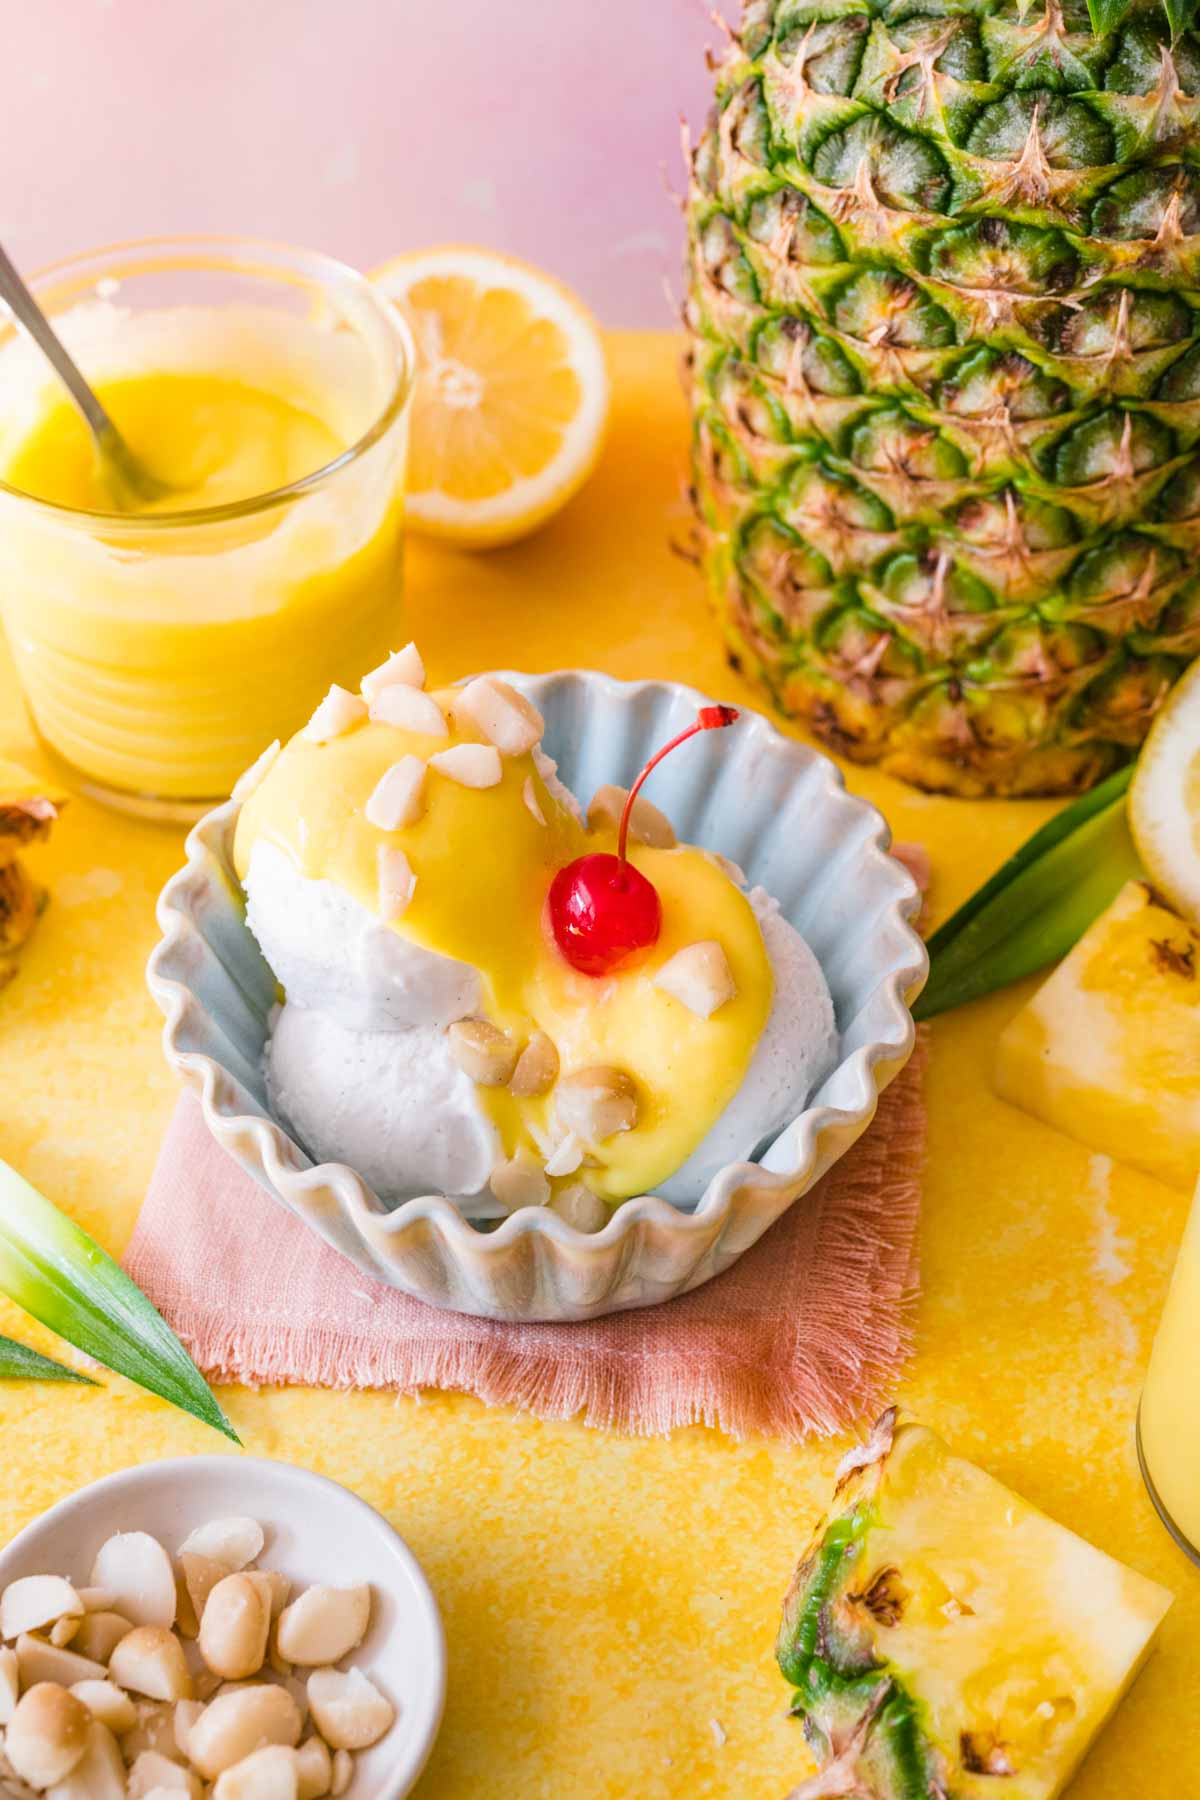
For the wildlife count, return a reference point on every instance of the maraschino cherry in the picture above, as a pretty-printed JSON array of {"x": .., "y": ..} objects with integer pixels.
[{"x": 602, "y": 909}]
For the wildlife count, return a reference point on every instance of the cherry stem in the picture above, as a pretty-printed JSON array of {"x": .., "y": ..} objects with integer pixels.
[{"x": 709, "y": 718}]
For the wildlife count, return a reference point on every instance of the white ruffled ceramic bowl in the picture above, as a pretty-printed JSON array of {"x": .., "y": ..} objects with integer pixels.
[{"x": 779, "y": 810}]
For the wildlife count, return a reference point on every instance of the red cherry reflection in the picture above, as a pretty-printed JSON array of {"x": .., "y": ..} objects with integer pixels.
[{"x": 603, "y": 910}]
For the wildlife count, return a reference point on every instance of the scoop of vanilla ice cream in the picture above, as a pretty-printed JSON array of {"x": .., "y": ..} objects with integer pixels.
[
  {"x": 331, "y": 955},
  {"x": 359, "y": 1067},
  {"x": 392, "y": 1104}
]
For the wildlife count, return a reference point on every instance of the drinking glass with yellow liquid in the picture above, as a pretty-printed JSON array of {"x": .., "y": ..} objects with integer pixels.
[
  {"x": 161, "y": 650},
  {"x": 1169, "y": 1415}
]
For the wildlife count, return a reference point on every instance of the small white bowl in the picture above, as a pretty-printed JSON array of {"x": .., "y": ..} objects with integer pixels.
[
  {"x": 316, "y": 1531},
  {"x": 779, "y": 810}
]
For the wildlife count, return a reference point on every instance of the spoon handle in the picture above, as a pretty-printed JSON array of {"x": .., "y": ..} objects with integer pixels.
[{"x": 32, "y": 319}]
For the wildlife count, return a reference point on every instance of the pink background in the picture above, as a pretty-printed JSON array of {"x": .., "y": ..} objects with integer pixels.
[{"x": 362, "y": 128}]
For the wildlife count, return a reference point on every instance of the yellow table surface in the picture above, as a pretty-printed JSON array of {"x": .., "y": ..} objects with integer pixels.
[{"x": 607, "y": 1598}]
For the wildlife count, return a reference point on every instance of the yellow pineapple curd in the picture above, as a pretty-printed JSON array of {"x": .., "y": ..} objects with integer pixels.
[
  {"x": 161, "y": 647},
  {"x": 1168, "y": 1441}
]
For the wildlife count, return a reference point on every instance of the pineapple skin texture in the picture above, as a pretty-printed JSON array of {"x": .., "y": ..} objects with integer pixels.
[
  {"x": 1107, "y": 1050},
  {"x": 944, "y": 367},
  {"x": 946, "y": 1639}
]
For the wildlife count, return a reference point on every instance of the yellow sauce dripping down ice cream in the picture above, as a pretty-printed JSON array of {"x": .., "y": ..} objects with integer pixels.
[{"x": 483, "y": 865}]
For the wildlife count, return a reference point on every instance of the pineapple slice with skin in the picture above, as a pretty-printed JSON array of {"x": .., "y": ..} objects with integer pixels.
[
  {"x": 1108, "y": 1049},
  {"x": 941, "y": 1633}
]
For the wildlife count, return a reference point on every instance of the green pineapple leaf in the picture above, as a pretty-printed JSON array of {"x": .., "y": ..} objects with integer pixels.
[
  {"x": 19, "y": 1363},
  {"x": 1180, "y": 14},
  {"x": 1106, "y": 15},
  {"x": 1038, "y": 905},
  {"x": 55, "y": 1272}
]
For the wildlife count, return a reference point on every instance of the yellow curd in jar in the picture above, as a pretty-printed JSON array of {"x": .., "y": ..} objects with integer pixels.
[{"x": 160, "y": 648}]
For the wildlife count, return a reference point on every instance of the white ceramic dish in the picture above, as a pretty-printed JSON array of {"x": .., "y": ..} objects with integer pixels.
[
  {"x": 316, "y": 1531},
  {"x": 780, "y": 810}
]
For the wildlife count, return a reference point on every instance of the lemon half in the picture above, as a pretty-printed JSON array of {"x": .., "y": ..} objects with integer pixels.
[
  {"x": 1164, "y": 798},
  {"x": 511, "y": 396}
]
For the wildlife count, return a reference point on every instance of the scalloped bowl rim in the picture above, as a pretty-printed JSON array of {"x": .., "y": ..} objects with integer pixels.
[{"x": 277, "y": 1150}]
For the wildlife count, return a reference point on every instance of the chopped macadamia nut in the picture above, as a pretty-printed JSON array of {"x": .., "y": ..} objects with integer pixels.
[
  {"x": 232, "y": 1542},
  {"x": 343, "y": 1772},
  {"x": 186, "y": 1622},
  {"x": 403, "y": 666},
  {"x": 506, "y": 718},
  {"x": 537, "y": 1068},
  {"x": 324, "y": 1624},
  {"x": 99, "y": 1634},
  {"x": 596, "y": 1103},
  {"x": 519, "y": 1181},
  {"x": 699, "y": 977},
  {"x": 482, "y": 1051},
  {"x": 398, "y": 798},
  {"x": 348, "y": 1710},
  {"x": 99, "y": 1775},
  {"x": 234, "y": 1627},
  {"x": 251, "y": 778},
  {"x": 39, "y": 1660},
  {"x": 47, "y": 1734},
  {"x": 580, "y": 1208},
  {"x": 153, "y": 1773},
  {"x": 314, "y": 1769},
  {"x": 34, "y": 1601},
  {"x": 151, "y": 1661},
  {"x": 269, "y": 1774},
  {"x": 97, "y": 1599},
  {"x": 397, "y": 883},
  {"x": 108, "y": 1703},
  {"x": 155, "y": 1730},
  {"x": 532, "y": 803},
  {"x": 470, "y": 765},
  {"x": 10, "y": 1684},
  {"x": 647, "y": 825},
  {"x": 200, "y": 1575},
  {"x": 137, "y": 1571},
  {"x": 186, "y": 1714},
  {"x": 409, "y": 710},
  {"x": 235, "y": 1724},
  {"x": 338, "y": 713},
  {"x": 275, "y": 1588},
  {"x": 566, "y": 1156}
]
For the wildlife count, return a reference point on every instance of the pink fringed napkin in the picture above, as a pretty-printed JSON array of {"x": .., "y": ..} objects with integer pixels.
[{"x": 802, "y": 1335}]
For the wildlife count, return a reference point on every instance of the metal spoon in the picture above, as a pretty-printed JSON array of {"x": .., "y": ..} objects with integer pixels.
[{"x": 131, "y": 481}]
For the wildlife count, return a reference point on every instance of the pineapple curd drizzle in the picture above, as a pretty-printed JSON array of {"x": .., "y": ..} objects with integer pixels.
[{"x": 483, "y": 865}]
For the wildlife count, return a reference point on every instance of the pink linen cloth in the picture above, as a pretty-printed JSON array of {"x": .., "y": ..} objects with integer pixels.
[{"x": 804, "y": 1334}]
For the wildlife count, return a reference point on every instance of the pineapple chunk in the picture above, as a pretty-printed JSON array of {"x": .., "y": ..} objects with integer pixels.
[
  {"x": 1108, "y": 1049},
  {"x": 28, "y": 808},
  {"x": 941, "y": 1632}
]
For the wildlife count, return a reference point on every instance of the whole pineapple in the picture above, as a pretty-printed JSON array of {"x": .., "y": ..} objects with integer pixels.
[{"x": 944, "y": 322}]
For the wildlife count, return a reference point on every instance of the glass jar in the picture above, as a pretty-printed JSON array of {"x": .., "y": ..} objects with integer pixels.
[
  {"x": 160, "y": 653},
  {"x": 1168, "y": 1434}
]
